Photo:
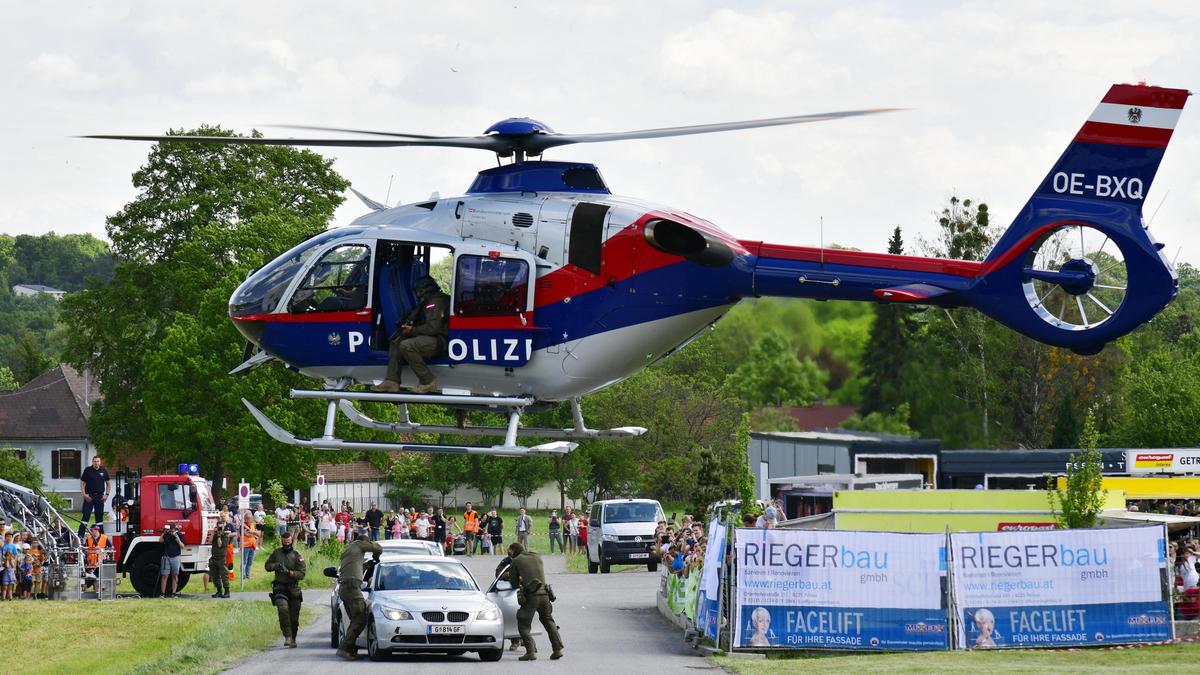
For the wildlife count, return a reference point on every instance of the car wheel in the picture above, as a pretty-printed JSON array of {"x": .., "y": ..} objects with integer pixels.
[
  {"x": 593, "y": 567},
  {"x": 373, "y": 651},
  {"x": 653, "y": 567},
  {"x": 335, "y": 631},
  {"x": 604, "y": 568},
  {"x": 491, "y": 655},
  {"x": 182, "y": 581}
]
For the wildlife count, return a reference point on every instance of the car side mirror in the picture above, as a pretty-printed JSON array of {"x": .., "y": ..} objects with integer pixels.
[
  {"x": 331, "y": 572},
  {"x": 503, "y": 585}
]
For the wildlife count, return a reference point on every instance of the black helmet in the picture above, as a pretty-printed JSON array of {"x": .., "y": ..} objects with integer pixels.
[{"x": 426, "y": 285}]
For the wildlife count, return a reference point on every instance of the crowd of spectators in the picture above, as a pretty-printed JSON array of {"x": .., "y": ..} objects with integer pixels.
[{"x": 681, "y": 547}]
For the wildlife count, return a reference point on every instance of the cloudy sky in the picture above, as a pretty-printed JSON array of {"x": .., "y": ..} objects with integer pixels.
[{"x": 995, "y": 91}]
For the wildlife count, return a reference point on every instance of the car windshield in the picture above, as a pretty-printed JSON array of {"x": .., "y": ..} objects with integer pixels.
[
  {"x": 424, "y": 576},
  {"x": 636, "y": 512},
  {"x": 261, "y": 292}
]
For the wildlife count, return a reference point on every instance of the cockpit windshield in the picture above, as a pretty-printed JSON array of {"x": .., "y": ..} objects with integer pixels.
[{"x": 260, "y": 294}]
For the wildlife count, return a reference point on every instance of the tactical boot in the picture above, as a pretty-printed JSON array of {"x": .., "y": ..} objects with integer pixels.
[
  {"x": 528, "y": 656},
  {"x": 291, "y": 642},
  {"x": 349, "y": 656},
  {"x": 557, "y": 654},
  {"x": 387, "y": 386},
  {"x": 429, "y": 388}
]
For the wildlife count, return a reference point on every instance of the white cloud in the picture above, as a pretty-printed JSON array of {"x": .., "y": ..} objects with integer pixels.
[{"x": 62, "y": 71}]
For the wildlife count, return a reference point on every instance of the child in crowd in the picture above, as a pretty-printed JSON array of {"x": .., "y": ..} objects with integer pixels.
[
  {"x": 26, "y": 576},
  {"x": 8, "y": 576},
  {"x": 397, "y": 528}
]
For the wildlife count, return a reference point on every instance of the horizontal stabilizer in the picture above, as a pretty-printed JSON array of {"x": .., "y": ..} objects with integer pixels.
[
  {"x": 910, "y": 293},
  {"x": 371, "y": 203}
]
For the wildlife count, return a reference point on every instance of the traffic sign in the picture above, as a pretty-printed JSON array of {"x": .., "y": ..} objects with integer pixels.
[
  {"x": 243, "y": 496},
  {"x": 320, "y": 480}
]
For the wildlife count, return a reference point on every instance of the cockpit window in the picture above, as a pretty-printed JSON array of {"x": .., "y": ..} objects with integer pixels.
[
  {"x": 336, "y": 283},
  {"x": 262, "y": 291},
  {"x": 487, "y": 286}
]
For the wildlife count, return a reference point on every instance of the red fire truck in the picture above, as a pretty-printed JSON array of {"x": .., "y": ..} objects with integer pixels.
[{"x": 144, "y": 506}]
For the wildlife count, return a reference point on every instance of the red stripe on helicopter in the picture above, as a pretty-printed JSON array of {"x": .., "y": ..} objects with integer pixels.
[
  {"x": 1123, "y": 134},
  {"x": 360, "y": 315},
  {"x": 958, "y": 268},
  {"x": 1158, "y": 97}
]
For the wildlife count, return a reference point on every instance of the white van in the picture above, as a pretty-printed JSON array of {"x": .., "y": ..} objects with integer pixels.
[{"x": 621, "y": 532}]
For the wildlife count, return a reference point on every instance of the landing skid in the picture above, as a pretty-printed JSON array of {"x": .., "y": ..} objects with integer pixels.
[{"x": 512, "y": 405}]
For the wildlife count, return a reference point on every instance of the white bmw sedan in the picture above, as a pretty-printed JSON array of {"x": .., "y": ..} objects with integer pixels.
[{"x": 421, "y": 603}]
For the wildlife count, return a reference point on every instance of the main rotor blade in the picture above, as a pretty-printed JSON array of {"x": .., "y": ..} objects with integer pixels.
[
  {"x": 352, "y": 131},
  {"x": 475, "y": 142},
  {"x": 535, "y": 144}
]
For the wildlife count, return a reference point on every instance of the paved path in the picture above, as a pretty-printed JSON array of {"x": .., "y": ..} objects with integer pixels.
[{"x": 608, "y": 621}]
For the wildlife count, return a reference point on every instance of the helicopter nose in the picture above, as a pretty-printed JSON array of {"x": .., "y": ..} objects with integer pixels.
[{"x": 250, "y": 328}]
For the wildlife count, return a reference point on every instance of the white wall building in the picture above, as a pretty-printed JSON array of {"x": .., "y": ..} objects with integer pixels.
[{"x": 46, "y": 422}]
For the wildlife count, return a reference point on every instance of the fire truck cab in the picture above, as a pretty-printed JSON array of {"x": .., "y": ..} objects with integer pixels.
[{"x": 143, "y": 507}]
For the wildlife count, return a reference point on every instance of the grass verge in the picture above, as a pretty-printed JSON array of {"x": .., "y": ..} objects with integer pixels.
[
  {"x": 1149, "y": 659},
  {"x": 137, "y": 636}
]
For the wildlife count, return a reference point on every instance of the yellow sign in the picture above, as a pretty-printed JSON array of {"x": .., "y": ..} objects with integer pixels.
[{"x": 1150, "y": 487}]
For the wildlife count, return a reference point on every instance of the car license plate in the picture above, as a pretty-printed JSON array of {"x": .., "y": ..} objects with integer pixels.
[
  {"x": 639, "y": 555},
  {"x": 447, "y": 630}
]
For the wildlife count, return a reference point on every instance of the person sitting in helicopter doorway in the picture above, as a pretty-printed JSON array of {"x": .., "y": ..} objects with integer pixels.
[{"x": 422, "y": 334}]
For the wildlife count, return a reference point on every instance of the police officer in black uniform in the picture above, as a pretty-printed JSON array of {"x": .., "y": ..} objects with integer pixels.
[
  {"x": 350, "y": 578},
  {"x": 95, "y": 484},
  {"x": 289, "y": 568}
]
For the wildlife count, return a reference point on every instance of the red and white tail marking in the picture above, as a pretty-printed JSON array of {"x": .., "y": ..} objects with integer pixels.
[{"x": 1134, "y": 115}]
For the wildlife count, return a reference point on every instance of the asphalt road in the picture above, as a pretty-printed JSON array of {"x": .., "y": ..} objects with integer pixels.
[{"x": 609, "y": 624}]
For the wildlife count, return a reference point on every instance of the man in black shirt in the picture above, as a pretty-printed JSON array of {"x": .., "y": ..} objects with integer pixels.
[
  {"x": 439, "y": 528},
  {"x": 95, "y": 485},
  {"x": 374, "y": 517},
  {"x": 169, "y": 563}
]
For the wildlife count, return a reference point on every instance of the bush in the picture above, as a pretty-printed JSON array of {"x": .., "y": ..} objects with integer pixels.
[
  {"x": 270, "y": 528},
  {"x": 331, "y": 548}
]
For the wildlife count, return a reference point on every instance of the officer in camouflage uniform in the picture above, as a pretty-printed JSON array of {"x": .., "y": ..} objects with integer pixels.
[
  {"x": 217, "y": 571},
  {"x": 534, "y": 596},
  {"x": 289, "y": 568},
  {"x": 422, "y": 334},
  {"x": 350, "y": 578}
]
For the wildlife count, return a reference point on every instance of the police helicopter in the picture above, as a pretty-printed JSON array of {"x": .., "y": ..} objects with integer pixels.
[{"x": 560, "y": 288}]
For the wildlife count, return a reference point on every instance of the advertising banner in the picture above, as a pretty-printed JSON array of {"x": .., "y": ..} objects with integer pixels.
[
  {"x": 1169, "y": 461},
  {"x": 821, "y": 589},
  {"x": 708, "y": 597},
  {"x": 1060, "y": 588}
]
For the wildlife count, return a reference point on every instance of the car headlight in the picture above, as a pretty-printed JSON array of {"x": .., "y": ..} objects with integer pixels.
[
  {"x": 608, "y": 537},
  {"x": 489, "y": 614},
  {"x": 396, "y": 614}
]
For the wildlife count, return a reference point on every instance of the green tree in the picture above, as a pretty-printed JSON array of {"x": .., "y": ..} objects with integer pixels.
[
  {"x": 887, "y": 354},
  {"x": 31, "y": 361},
  {"x": 877, "y": 422},
  {"x": 1081, "y": 502},
  {"x": 772, "y": 374},
  {"x": 203, "y": 217},
  {"x": 490, "y": 475},
  {"x": 18, "y": 470},
  {"x": 527, "y": 474},
  {"x": 446, "y": 472},
  {"x": 408, "y": 473},
  {"x": 8, "y": 381}
]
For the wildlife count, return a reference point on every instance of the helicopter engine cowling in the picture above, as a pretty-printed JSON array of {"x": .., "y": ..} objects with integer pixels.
[{"x": 687, "y": 242}]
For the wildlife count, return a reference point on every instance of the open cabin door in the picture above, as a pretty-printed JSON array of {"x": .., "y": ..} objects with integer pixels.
[{"x": 491, "y": 310}]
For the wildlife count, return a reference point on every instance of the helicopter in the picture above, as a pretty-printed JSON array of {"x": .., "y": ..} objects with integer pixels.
[{"x": 560, "y": 289}]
